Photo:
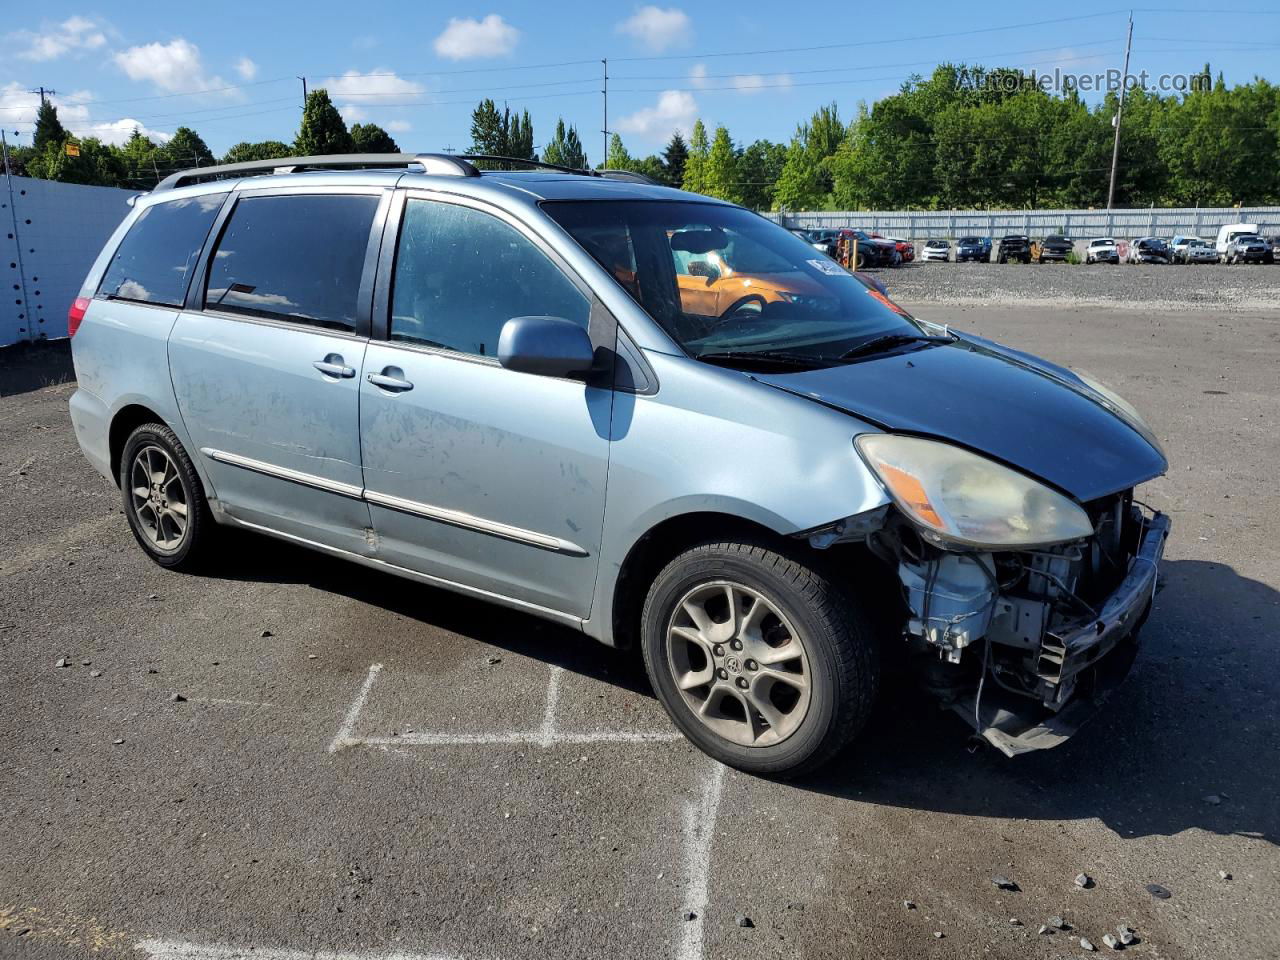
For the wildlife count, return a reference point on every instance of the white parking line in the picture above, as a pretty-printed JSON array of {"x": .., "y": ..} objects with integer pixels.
[
  {"x": 699, "y": 831},
  {"x": 180, "y": 950},
  {"x": 546, "y": 735}
]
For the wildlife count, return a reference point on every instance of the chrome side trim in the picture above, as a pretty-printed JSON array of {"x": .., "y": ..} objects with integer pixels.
[
  {"x": 454, "y": 518},
  {"x": 284, "y": 473},
  {"x": 468, "y": 521},
  {"x": 547, "y": 612}
]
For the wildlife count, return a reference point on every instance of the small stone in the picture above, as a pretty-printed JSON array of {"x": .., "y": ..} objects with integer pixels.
[
  {"x": 117, "y": 742},
  {"x": 1044, "y": 928},
  {"x": 311, "y": 656},
  {"x": 153, "y": 596},
  {"x": 690, "y": 915},
  {"x": 744, "y": 920},
  {"x": 493, "y": 660},
  {"x": 1212, "y": 799},
  {"x": 1014, "y": 921},
  {"x": 152, "y": 670},
  {"x": 95, "y": 673},
  {"x": 1084, "y": 881},
  {"x": 267, "y": 633},
  {"x": 1127, "y": 935},
  {"x": 908, "y": 904},
  {"x": 85, "y": 663},
  {"x": 1223, "y": 875},
  {"x": 1159, "y": 892},
  {"x": 1087, "y": 944},
  {"x": 1111, "y": 941},
  {"x": 938, "y": 934},
  {"x": 1058, "y": 922},
  {"x": 1003, "y": 882},
  {"x": 177, "y": 698},
  {"x": 63, "y": 662}
]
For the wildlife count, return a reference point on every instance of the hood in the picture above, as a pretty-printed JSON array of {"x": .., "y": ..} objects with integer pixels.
[{"x": 1012, "y": 407}]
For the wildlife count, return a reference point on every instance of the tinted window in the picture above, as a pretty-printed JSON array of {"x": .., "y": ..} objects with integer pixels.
[
  {"x": 461, "y": 274},
  {"x": 153, "y": 261},
  {"x": 297, "y": 257}
]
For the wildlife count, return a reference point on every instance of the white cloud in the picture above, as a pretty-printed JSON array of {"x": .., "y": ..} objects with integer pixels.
[
  {"x": 379, "y": 85},
  {"x": 698, "y": 75},
  {"x": 675, "y": 110},
  {"x": 119, "y": 131},
  {"x": 398, "y": 126},
  {"x": 18, "y": 109},
  {"x": 656, "y": 29},
  {"x": 352, "y": 114},
  {"x": 73, "y": 35},
  {"x": 175, "y": 67},
  {"x": 467, "y": 39},
  {"x": 246, "y": 68},
  {"x": 756, "y": 82}
]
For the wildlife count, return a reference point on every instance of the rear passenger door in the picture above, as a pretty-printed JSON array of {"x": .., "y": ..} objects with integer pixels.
[
  {"x": 266, "y": 360},
  {"x": 475, "y": 474}
]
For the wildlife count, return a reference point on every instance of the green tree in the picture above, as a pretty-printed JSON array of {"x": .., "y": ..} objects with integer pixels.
[
  {"x": 244, "y": 151},
  {"x": 618, "y": 158},
  {"x": 98, "y": 164},
  {"x": 142, "y": 160},
  {"x": 721, "y": 171},
  {"x": 695, "y": 165},
  {"x": 565, "y": 149},
  {"x": 520, "y": 137},
  {"x": 759, "y": 167},
  {"x": 371, "y": 138},
  {"x": 323, "y": 130},
  {"x": 674, "y": 158},
  {"x": 49, "y": 128},
  {"x": 185, "y": 149},
  {"x": 488, "y": 130}
]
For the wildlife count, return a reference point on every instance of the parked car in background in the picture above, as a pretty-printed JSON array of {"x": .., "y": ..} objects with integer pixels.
[
  {"x": 1228, "y": 233},
  {"x": 805, "y": 235},
  {"x": 879, "y": 251},
  {"x": 1148, "y": 250},
  {"x": 494, "y": 383},
  {"x": 973, "y": 248},
  {"x": 1275, "y": 247},
  {"x": 1197, "y": 251},
  {"x": 824, "y": 240},
  {"x": 1102, "y": 250},
  {"x": 1177, "y": 244},
  {"x": 1249, "y": 248},
  {"x": 1054, "y": 247},
  {"x": 936, "y": 250},
  {"x": 1015, "y": 246},
  {"x": 906, "y": 249}
]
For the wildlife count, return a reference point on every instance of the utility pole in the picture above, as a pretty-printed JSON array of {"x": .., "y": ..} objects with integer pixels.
[
  {"x": 44, "y": 94},
  {"x": 604, "y": 157},
  {"x": 304, "y": 92},
  {"x": 1115, "y": 149}
]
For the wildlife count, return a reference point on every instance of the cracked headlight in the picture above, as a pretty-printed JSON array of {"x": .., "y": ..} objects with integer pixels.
[
  {"x": 959, "y": 498},
  {"x": 1122, "y": 408}
]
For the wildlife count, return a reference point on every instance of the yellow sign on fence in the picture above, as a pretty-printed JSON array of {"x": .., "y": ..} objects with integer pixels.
[{"x": 73, "y": 149}]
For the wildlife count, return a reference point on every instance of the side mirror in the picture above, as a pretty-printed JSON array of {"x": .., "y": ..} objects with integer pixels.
[
  {"x": 545, "y": 346},
  {"x": 704, "y": 268}
]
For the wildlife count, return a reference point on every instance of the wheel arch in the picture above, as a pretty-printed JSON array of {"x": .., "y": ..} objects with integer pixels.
[{"x": 127, "y": 419}]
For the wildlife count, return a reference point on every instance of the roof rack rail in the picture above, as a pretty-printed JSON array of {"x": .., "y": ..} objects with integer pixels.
[
  {"x": 630, "y": 176},
  {"x": 525, "y": 162},
  {"x": 437, "y": 163}
]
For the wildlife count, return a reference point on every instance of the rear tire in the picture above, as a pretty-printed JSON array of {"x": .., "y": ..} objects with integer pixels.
[
  {"x": 164, "y": 500},
  {"x": 774, "y": 682}
]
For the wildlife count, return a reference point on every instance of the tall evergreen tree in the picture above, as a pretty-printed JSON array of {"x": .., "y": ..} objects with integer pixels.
[
  {"x": 141, "y": 159},
  {"x": 371, "y": 138},
  {"x": 488, "y": 129},
  {"x": 673, "y": 159},
  {"x": 721, "y": 171},
  {"x": 263, "y": 150},
  {"x": 186, "y": 149},
  {"x": 520, "y": 136},
  {"x": 49, "y": 128},
  {"x": 323, "y": 130},
  {"x": 618, "y": 158},
  {"x": 695, "y": 176},
  {"x": 565, "y": 149}
]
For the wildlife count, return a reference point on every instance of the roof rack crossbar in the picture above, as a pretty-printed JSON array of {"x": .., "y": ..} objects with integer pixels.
[
  {"x": 436, "y": 163},
  {"x": 525, "y": 162}
]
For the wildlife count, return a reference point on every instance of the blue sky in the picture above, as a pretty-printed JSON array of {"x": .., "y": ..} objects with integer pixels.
[{"x": 231, "y": 71}]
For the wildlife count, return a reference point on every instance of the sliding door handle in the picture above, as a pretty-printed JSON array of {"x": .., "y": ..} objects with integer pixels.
[{"x": 334, "y": 366}]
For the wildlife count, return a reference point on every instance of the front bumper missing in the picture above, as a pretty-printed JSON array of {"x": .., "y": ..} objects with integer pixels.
[{"x": 1098, "y": 654}]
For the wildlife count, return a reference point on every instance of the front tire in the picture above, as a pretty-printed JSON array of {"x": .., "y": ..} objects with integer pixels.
[
  {"x": 163, "y": 498},
  {"x": 762, "y": 660}
]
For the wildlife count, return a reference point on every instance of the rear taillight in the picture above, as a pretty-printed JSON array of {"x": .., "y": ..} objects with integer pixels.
[{"x": 76, "y": 314}]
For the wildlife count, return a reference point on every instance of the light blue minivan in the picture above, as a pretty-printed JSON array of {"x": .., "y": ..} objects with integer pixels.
[{"x": 653, "y": 416}]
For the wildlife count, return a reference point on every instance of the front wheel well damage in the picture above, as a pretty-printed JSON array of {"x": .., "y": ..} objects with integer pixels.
[{"x": 850, "y": 563}]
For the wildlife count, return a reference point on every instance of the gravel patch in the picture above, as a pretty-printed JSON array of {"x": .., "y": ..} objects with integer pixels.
[{"x": 1147, "y": 287}]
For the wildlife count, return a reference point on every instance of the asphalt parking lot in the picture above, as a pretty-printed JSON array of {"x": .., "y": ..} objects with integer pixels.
[{"x": 378, "y": 769}]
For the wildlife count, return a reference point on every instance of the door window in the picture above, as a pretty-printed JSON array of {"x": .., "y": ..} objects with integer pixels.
[
  {"x": 461, "y": 274},
  {"x": 297, "y": 257}
]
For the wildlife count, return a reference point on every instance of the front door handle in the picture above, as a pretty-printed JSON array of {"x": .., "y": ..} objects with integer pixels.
[
  {"x": 391, "y": 378},
  {"x": 334, "y": 366}
]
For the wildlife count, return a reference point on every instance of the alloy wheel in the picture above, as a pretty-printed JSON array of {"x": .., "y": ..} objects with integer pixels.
[
  {"x": 739, "y": 664},
  {"x": 158, "y": 498}
]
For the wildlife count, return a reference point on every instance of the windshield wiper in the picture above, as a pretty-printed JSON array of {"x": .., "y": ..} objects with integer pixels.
[
  {"x": 888, "y": 340},
  {"x": 777, "y": 357}
]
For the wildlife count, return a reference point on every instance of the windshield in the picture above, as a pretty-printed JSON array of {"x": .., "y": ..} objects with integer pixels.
[
  {"x": 721, "y": 280},
  {"x": 970, "y": 240}
]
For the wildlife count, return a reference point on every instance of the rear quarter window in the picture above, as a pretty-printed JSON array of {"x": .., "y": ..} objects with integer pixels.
[{"x": 155, "y": 258}]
